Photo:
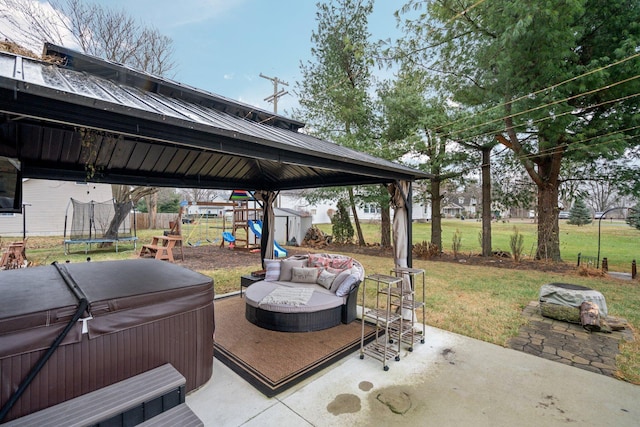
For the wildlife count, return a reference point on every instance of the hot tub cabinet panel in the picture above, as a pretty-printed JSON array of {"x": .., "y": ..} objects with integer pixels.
[{"x": 145, "y": 313}]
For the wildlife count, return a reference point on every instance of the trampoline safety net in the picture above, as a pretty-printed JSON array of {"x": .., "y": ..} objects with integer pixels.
[{"x": 93, "y": 220}]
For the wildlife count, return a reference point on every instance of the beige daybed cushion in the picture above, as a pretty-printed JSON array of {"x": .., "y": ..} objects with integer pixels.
[{"x": 321, "y": 299}]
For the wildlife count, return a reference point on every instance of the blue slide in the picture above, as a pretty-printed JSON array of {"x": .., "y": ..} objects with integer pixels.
[{"x": 256, "y": 228}]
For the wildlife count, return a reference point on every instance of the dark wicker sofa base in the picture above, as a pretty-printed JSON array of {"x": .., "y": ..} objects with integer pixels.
[
  {"x": 304, "y": 321},
  {"x": 294, "y": 322}
]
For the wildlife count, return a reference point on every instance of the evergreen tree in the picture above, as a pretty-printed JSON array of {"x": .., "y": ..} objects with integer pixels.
[
  {"x": 633, "y": 219},
  {"x": 342, "y": 228},
  {"x": 411, "y": 116},
  {"x": 555, "y": 80},
  {"x": 579, "y": 214},
  {"x": 170, "y": 206},
  {"x": 336, "y": 85}
]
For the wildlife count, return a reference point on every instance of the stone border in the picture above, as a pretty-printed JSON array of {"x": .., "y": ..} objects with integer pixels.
[{"x": 568, "y": 343}]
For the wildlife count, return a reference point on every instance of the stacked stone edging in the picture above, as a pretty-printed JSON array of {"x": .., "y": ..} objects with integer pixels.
[{"x": 569, "y": 343}]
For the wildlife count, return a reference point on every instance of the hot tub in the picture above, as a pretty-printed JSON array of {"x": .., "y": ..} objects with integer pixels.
[{"x": 142, "y": 313}]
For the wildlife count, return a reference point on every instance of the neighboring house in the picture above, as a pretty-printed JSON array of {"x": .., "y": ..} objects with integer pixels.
[
  {"x": 457, "y": 205},
  {"x": 213, "y": 209},
  {"x": 46, "y": 205},
  {"x": 322, "y": 212},
  {"x": 452, "y": 210}
]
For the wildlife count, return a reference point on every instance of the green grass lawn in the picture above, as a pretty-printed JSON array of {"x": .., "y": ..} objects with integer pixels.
[
  {"x": 619, "y": 242},
  {"x": 486, "y": 303}
]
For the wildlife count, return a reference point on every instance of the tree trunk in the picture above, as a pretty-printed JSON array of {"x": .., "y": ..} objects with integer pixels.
[
  {"x": 121, "y": 212},
  {"x": 486, "y": 201},
  {"x": 385, "y": 227},
  {"x": 356, "y": 221},
  {"x": 152, "y": 208},
  {"x": 125, "y": 197},
  {"x": 548, "y": 230},
  {"x": 436, "y": 215}
]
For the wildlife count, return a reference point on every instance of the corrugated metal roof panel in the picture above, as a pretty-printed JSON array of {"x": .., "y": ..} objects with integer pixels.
[{"x": 158, "y": 132}]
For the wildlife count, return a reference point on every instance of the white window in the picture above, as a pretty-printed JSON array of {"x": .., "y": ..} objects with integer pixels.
[{"x": 372, "y": 208}]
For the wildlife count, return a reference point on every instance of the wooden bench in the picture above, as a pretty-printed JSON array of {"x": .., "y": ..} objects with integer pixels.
[
  {"x": 157, "y": 252},
  {"x": 125, "y": 403},
  {"x": 161, "y": 247}
]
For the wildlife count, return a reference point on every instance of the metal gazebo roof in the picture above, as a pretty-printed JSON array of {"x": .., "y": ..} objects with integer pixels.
[{"x": 90, "y": 119}]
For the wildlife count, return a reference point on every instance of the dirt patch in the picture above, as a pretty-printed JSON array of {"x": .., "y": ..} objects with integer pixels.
[
  {"x": 208, "y": 257},
  {"x": 213, "y": 257}
]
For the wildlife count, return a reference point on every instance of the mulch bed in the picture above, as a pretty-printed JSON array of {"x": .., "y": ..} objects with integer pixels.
[{"x": 208, "y": 257}]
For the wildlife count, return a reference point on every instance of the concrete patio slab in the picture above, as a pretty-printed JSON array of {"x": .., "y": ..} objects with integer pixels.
[{"x": 450, "y": 380}]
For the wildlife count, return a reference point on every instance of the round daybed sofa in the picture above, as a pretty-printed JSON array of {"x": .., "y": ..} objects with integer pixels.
[{"x": 305, "y": 293}]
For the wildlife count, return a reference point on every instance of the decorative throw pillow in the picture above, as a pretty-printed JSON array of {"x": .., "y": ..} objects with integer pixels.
[
  {"x": 304, "y": 275},
  {"x": 273, "y": 270},
  {"x": 347, "y": 285},
  {"x": 286, "y": 266},
  {"x": 316, "y": 260},
  {"x": 325, "y": 279},
  {"x": 341, "y": 263},
  {"x": 339, "y": 279},
  {"x": 335, "y": 271}
]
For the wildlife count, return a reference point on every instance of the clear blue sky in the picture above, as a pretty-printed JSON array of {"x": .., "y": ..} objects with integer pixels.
[{"x": 222, "y": 46}]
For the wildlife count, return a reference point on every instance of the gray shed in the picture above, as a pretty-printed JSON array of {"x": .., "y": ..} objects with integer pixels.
[{"x": 291, "y": 224}]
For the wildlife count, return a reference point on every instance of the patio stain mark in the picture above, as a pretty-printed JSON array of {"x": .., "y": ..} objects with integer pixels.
[
  {"x": 449, "y": 355},
  {"x": 549, "y": 403},
  {"x": 365, "y": 386},
  {"x": 396, "y": 399},
  {"x": 344, "y": 404}
]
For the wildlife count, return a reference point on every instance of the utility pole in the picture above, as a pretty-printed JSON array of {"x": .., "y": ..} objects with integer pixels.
[{"x": 276, "y": 94}]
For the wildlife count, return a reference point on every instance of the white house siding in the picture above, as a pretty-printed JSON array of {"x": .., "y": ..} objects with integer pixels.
[
  {"x": 320, "y": 211},
  {"x": 46, "y": 206}
]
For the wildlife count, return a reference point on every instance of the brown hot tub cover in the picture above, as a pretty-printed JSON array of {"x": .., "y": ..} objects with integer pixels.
[{"x": 143, "y": 313}]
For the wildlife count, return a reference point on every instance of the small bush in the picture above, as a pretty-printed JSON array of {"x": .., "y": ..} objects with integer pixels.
[
  {"x": 517, "y": 243},
  {"x": 426, "y": 250},
  {"x": 456, "y": 243}
]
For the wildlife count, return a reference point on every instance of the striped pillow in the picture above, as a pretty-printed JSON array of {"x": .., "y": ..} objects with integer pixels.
[{"x": 273, "y": 270}]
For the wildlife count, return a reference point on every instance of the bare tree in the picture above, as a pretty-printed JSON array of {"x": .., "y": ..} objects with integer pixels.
[
  {"x": 156, "y": 57},
  {"x": 31, "y": 23},
  {"x": 198, "y": 194},
  {"x": 104, "y": 32}
]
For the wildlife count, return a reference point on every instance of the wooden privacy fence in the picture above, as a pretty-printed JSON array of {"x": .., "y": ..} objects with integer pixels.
[{"x": 162, "y": 220}]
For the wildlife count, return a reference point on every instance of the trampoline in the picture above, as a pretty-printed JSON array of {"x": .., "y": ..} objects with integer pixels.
[{"x": 96, "y": 223}]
